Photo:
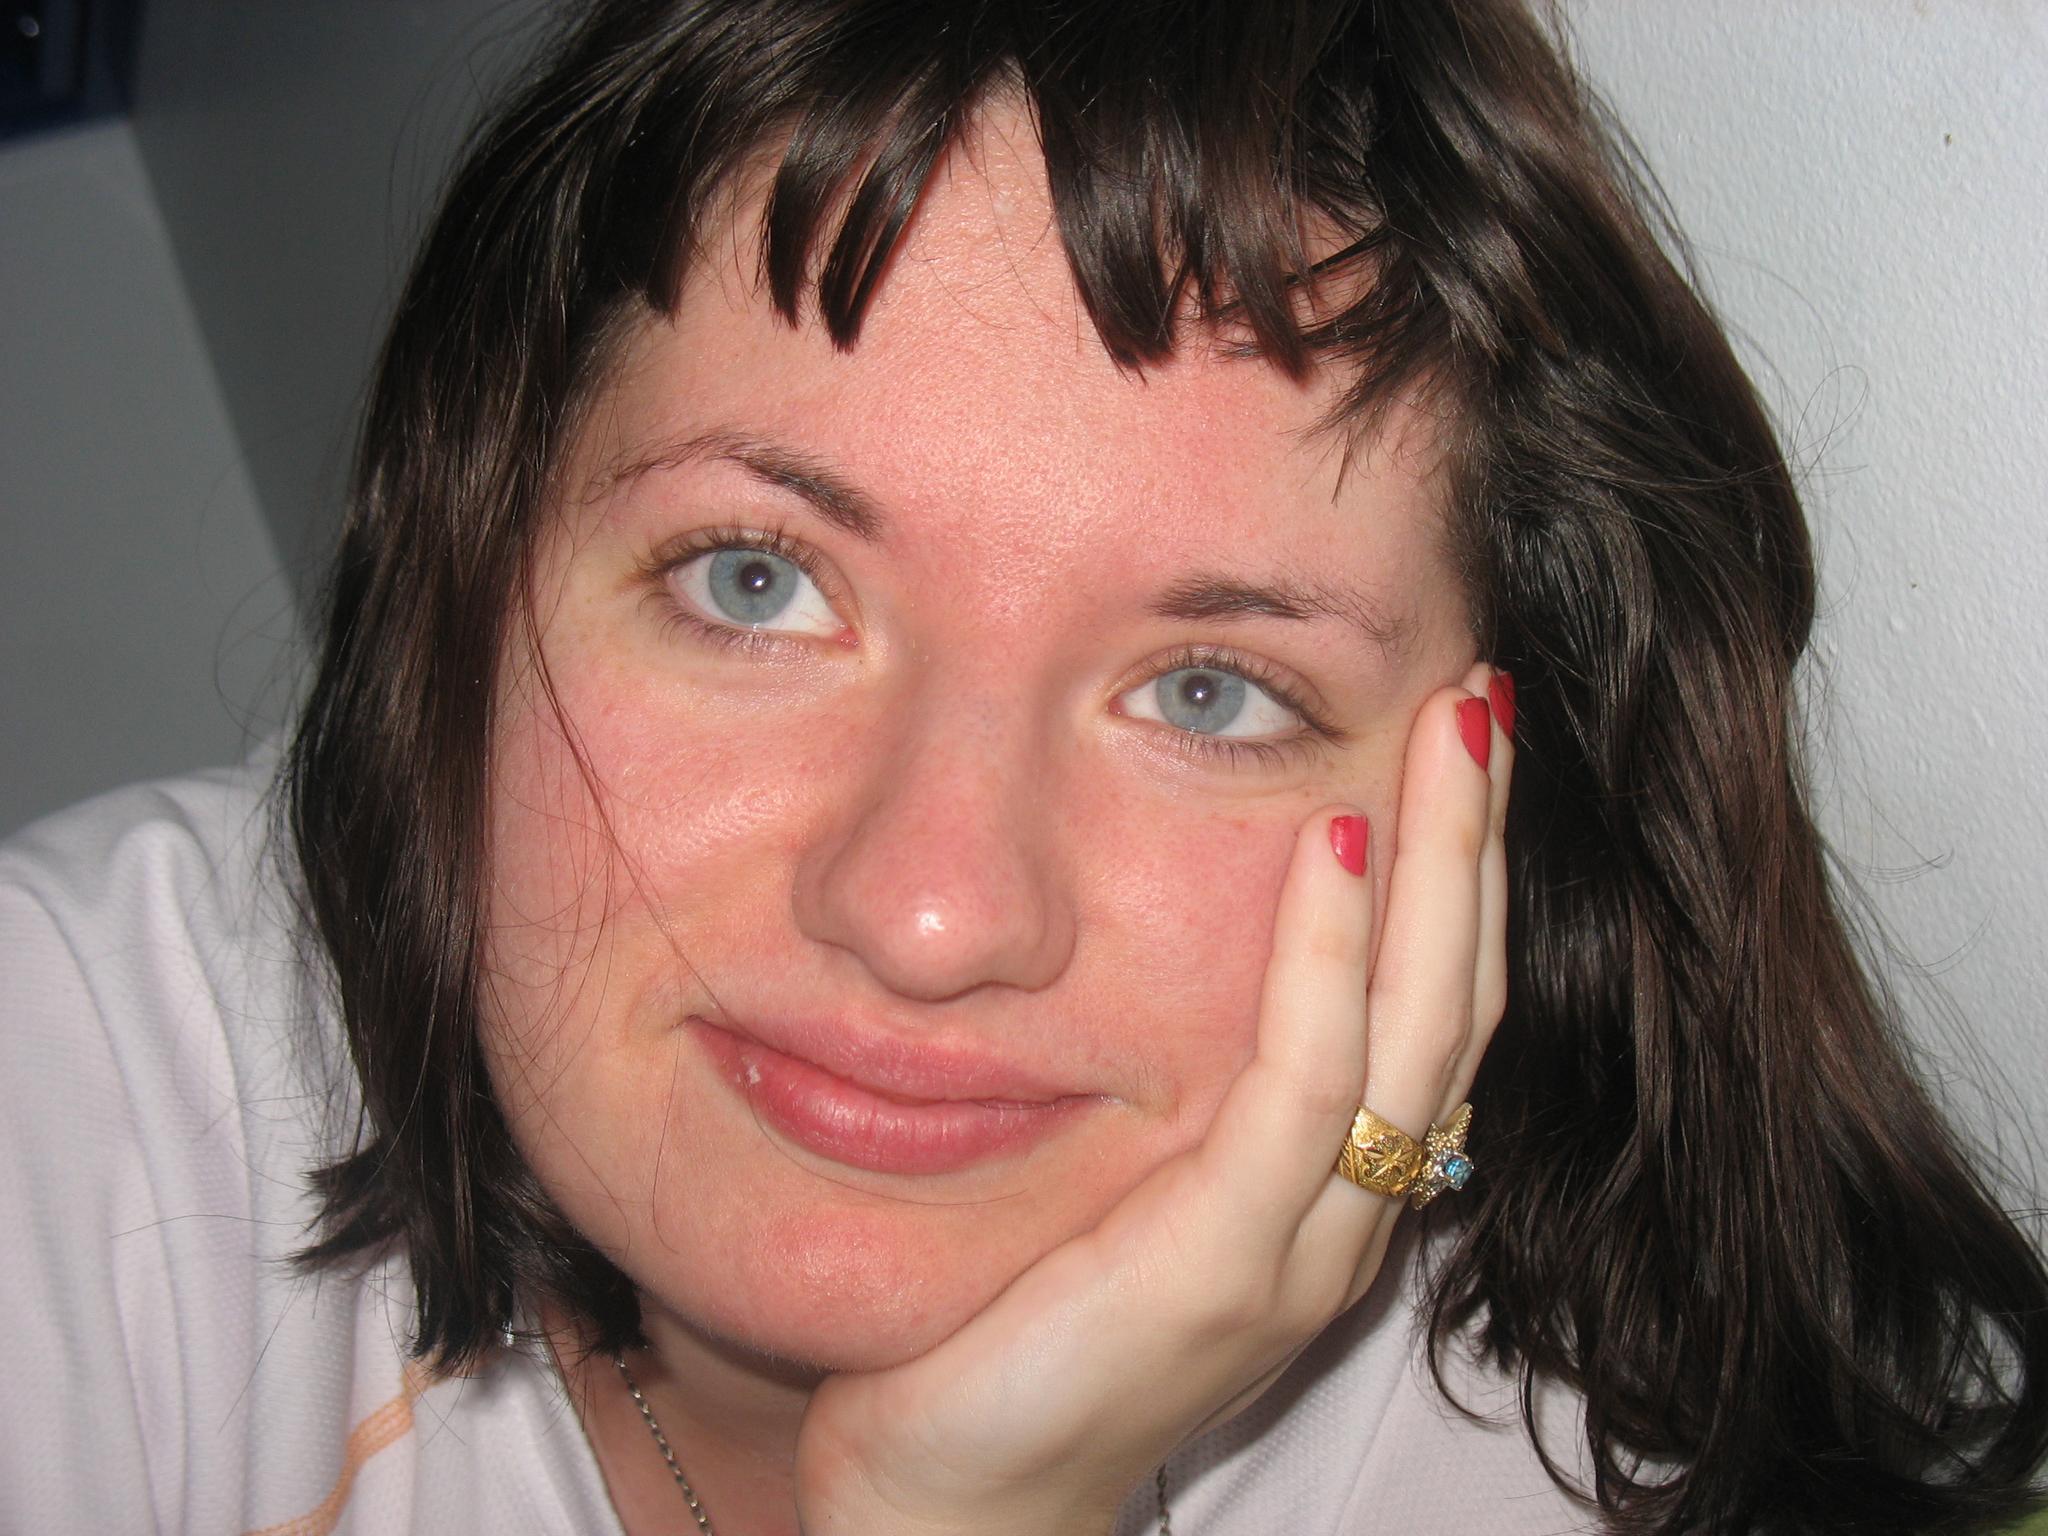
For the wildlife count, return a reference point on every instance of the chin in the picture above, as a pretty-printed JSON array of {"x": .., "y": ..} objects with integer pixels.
[
  {"x": 805, "y": 1356},
  {"x": 851, "y": 1290}
]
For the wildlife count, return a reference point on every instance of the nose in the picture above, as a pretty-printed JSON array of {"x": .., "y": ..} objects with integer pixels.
[{"x": 938, "y": 871}]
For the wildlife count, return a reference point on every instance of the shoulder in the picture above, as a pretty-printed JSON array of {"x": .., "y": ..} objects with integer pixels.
[
  {"x": 149, "y": 1140},
  {"x": 132, "y": 863},
  {"x": 171, "y": 1073},
  {"x": 109, "y": 916},
  {"x": 155, "y": 930},
  {"x": 158, "y": 973}
]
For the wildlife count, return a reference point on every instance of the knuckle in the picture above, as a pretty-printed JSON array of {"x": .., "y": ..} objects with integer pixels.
[
  {"x": 1449, "y": 1074},
  {"x": 1325, "y": 1096},
  {"x": 1245, "y": 1302},
  {"x": 1436, "y": 1084},
  {"x": 1468, "y": 836},
  {"x": 1335, "y": 945},
  {"x": 1490, "y": 1004},
  {"x": 1328, "y": 1294},
  {"x": 1457, "y": 840}
]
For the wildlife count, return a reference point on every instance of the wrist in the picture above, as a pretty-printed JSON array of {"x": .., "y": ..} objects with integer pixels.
[
  {"x": 838, "y": 1521},
  {"x": 852, "y": 1500}
]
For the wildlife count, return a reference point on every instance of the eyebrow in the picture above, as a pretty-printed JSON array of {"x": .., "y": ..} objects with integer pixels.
[
  {"x": 1197, "y": 598},
  {"x": 834, "y": 498},
  {"x": 1220, "y": 599}
]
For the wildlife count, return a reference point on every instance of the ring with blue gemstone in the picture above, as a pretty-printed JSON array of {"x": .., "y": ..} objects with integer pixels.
[{"x": 1444, "y": 1163}]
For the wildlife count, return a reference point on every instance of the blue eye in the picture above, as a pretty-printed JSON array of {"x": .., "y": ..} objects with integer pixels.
[
  {"x": 748, "y": 588},
  {"x": 1211, "y": 701},
  {"x": 1200, "y": 700}
]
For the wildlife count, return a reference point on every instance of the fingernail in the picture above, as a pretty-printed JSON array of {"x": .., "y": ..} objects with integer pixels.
[
  {"x": 1476, "y": 728},
  {"x": 1502, "y": 692},
  {"x": 1348, "y": 836}
]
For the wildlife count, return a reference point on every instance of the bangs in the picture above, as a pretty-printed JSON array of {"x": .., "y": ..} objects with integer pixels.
[{"x": 1176, "y": 206}]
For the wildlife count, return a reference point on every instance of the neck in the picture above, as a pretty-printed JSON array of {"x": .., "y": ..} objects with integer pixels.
[{"x": 730, "y": 1416}]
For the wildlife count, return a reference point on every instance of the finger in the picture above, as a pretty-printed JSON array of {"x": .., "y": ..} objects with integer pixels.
[
  {"x": 1421, "y": 999},
  {"x": 1421, "y": 993},
  {"x": 1276, "y": 1134},
  {"x": 1490, "y": 971}
]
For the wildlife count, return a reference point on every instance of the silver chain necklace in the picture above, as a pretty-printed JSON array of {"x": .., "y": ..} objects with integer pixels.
[{"x": 675, "y": 1468}]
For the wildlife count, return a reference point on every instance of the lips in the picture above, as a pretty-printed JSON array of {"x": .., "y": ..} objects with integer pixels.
[{"x": 885, "y": 1104}]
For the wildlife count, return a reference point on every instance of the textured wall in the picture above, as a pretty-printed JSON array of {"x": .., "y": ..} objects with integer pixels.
[
  {"x": 1867, "y": 184},
  {"x": 143, "y": 624},
  {"x": 293, "y": 149}
]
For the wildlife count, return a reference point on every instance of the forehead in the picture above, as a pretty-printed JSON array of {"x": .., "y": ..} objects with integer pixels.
[{"x": 980, "y": 398}]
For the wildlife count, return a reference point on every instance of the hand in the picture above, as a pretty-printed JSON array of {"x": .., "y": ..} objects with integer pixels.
[{"x": 1199, "y": 1287}]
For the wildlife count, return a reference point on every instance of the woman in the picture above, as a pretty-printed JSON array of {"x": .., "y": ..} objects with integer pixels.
[{"x": 917, "y": 711}]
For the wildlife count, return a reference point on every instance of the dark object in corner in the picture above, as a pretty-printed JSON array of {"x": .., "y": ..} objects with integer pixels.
[{"x": 63, "y": 61}]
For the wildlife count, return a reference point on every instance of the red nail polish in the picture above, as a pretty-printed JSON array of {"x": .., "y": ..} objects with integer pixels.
[
  {"x": 1475, "y": 725},
  {"x": 1348, "y": 836},
  {"x": 1502, "y": 692}
]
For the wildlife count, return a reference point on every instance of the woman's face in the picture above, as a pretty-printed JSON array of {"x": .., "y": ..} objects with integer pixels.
[{"x": 887, "y": 824}]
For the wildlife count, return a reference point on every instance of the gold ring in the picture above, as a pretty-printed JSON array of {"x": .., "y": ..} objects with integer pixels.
[
  {"x": 1445, "y": 1165},
  {"x": 1380, "y": 1157}
]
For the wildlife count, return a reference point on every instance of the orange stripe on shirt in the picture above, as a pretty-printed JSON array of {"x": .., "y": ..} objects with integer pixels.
[{"x": 378, "y": 1430}]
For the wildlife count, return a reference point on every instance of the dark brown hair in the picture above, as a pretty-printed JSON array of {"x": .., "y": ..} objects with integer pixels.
[{"x": 1727, "y": 1215}]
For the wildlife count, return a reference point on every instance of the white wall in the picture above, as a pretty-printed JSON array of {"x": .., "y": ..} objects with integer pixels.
[
  {"x": 1867, "y": 184},
  {"x": 142, "y": 617}
]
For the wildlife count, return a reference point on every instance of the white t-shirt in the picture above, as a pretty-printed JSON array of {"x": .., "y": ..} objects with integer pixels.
[{"x": 166, "y": 1080}]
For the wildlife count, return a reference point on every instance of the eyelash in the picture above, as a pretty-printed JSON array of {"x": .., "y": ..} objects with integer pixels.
[
  {"x": 677, "y": 553},
  {"x": 1237, "y": 752}
]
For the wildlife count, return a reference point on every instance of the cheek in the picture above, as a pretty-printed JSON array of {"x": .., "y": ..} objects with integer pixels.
[
  {"x": 690, "y": 838},
  {"x": 1178, "y": 914},
  {"x": 1183, "y": 908},
  {"x": 550, "y": 884},
  {"x": 620, "y": 845}
]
